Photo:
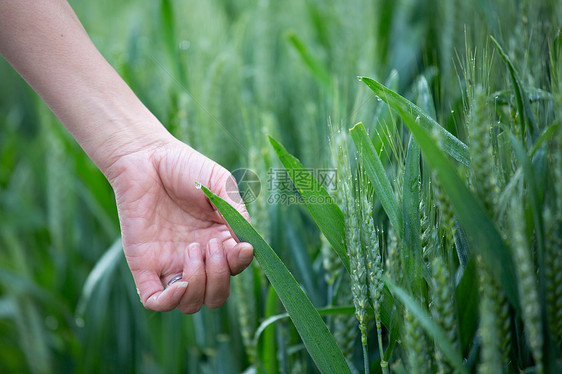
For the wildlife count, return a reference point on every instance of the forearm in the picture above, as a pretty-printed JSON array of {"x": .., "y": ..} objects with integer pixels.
[{"x": 45, "y": 42}]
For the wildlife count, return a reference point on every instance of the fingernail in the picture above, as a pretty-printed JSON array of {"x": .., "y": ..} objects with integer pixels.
[
  {"x": 246, "y": 254},
  {"x": 214, "y": 247},
  {"x": 191, "y": 250},
  {"x": 182, "y": 284},
  {"x": 180, "y": 288}
]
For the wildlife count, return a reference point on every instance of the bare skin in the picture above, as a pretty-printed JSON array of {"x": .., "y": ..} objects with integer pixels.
[{"x": 169, "y": 228}]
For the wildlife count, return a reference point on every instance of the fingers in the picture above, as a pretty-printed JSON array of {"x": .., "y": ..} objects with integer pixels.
[
  {"x": 154, "y": 297},
  {"x": 207, "y": 274},
  {"x": 194, "y": 273},
  {"x": 239, "y": 255},
  {"x": 218, "y": 275}
]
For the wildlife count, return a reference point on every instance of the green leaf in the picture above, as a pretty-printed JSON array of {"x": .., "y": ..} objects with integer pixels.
[
  {"x": 467, "y": 297},
  {"x": 384, "y": 123},
  {"x": 267, "y": 353},
  {"x": 433, "y": 329},
  {"x": 522, "y": 100},
  {"x": 377, "y": 175},
  {"x": 533, "y": 193},
  {"x": 294, "y": 228},
  {"x": 450, "y": 144},
  {"x": 327, "y": 213},
  {"x": 316, "y": 67},
  {"x": 104, "y": 268},
  {"x": 313, "y": 331},
  {"x": 411, "y": 250},
  {"x": 327, "y": 311},
  {"x": 505, "y": 97},
  {"x": 544, "y": 137},
  {"x": 484, "y": 236},
  {"x": 167, "y": 30},
  {"x": 423, "y": 97}
]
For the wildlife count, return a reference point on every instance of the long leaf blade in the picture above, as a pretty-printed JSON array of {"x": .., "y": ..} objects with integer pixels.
[
  {"x": 267, "y": 352},
  {"x": 523, "y": 105},
  {"x": 450, "y": 144},
  {"x": 468, "y": 299},
  {"x": 377, "y": 175},
  {"x": 315, "y": 66},
  {"x": 432, "y": 328},
  {"x": 315, "y": 335},
  {"x": 327, "y": 214},
  {"x": 412, "y": 251}
]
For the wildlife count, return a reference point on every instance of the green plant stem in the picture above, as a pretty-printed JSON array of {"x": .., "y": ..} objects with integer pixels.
[
  {"x": 366, "y": 356},
  {"x": 384, "y": 364}
]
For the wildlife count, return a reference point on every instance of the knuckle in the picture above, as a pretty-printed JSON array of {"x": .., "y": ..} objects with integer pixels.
[
  {"x": 219, "y": 273},
  {"x": 215, "y": 304},
  {"x": 198, "y": 276},
  {"x": 190, "y": 309},
  {"x": 218, "y": 301}
]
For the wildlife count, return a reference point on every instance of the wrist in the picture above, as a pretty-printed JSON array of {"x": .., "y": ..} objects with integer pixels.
[
  {"x": 129, "y": 137},
  {"x": 126, "y": 136},
  {"x": 111, "y": 122}
]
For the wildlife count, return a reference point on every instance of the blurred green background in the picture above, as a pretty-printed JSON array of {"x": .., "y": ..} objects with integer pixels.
[{"x": 220, "y": 75}]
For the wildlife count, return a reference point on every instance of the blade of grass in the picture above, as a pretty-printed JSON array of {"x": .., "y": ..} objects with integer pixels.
[
  {"x": 431, "y": 327},
  {"x": 411, "y": 250},
  {"x": 450, "y": 144},
  {"x": 167, "y": 29},
  {"x": 484, "y": 236},
  {"x": 505, "y": 97},
  {"x": 327, "y": 214},
  {"x": 300, "y": 257},
  {"x": 377, "y": 175},
  {"x": 531, "y": 182},
  {"x": 316, "y": 67},
  {"x": 328, "y": 311},
  {"x": 105, "y": 266},
  {"x": 545, "y": 136},
  {"x": 424, "y": 100},
  {"x": 33, "y": 338},
  {"x": 384, "y": 125},
  {"x": 522, "y": 100},
  {"x": 316, "y": 337},
  {"x": 267, "y": 353},
  {"x": 467, "y": 298}
]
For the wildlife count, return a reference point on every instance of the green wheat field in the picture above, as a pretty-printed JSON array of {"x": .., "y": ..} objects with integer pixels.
[{"x": 435, "y": 245}]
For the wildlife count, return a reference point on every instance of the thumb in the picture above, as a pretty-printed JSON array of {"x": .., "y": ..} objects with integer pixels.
[{"x": 153, "y": 295}]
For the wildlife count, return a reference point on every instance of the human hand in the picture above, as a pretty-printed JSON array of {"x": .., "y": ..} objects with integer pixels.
[{"x": 170, "y": 229}]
